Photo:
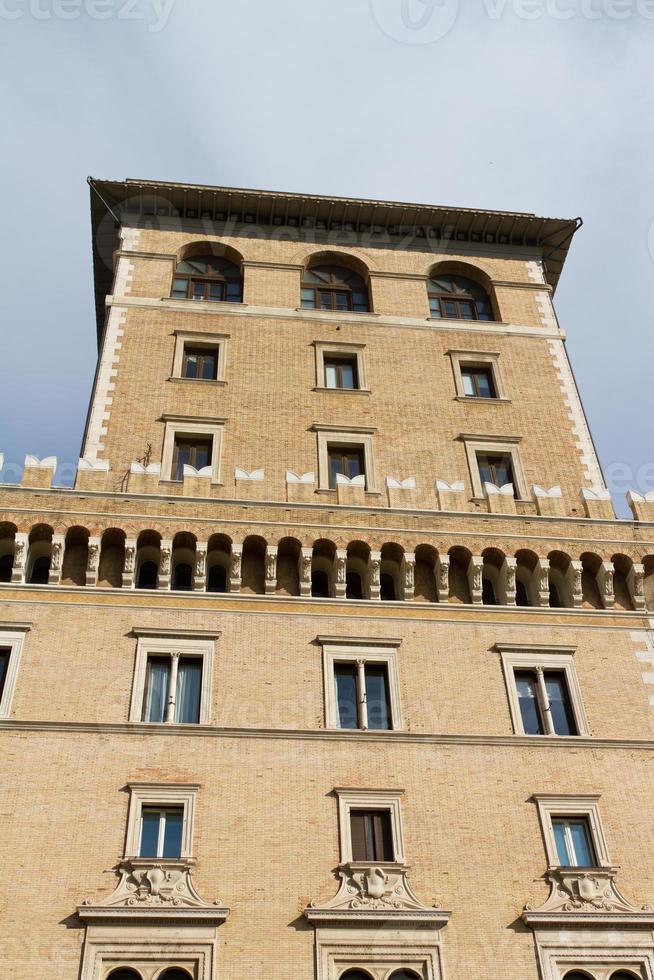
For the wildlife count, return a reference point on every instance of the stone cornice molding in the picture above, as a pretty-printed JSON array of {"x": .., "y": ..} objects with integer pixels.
[
  {"x": 180, "y": 634},
  {"x": 336, "y": 427},
  {"x": 584, "y": 897},
  {"x": 6, "y": 624},
  {"x": 358, "y": 641}
]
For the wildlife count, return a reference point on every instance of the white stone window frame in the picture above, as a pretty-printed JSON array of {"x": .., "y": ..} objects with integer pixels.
[
  {"x": 12, "y": 637},
  {"x": 338, "y": 651},
  {"x": 153, "y": 645},
  {"x": 151, "y": 954},
  {"x": 345, "y": 435},
  {"x": 369, "y": 799},
  {"x": 322, "y": 347},
  {"x": 368, "y": 950},
  {"x": 528, "y": 656},
  {"x": 559, "y": 956},
  {"x": 162, "y": 795},
  {"x": 507, "y": 445},
  {"x": 551, "y": 806},
  {"x": 177, "y": 425},
  {"x": 190, "y": 338},
  {"x": 462, "y": 359}
]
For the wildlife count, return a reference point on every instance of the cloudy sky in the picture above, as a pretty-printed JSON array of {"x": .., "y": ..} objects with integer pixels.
[{"x": 528, "y": 105}]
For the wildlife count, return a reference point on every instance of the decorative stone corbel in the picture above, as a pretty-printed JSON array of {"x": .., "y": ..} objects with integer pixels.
[
  {"x": 271, "y": 569},
  {"x": 305, "y": 561},
  {"x": 374, "y": 574},
  {"x": 604, "y": 578},
  {"x": 370, "y": 894},
  {"x": 165, "y": 558},
  {"x": 92, "y": 474},
  {"x": 475, "y": 566},
  {"x": 597, "y": 503},
  {"x": 341, "y": 573},
  {"x": 21, "y": 547},
  {"x": 93, "y": 561},
  {"x": 583, "y": 898},
  {"x": 200, "y": 567},
  {"x": 150, "y": 889},
  {"x": 409, "y": 575},
  {"x": 573, "y": 582},
  {"x": 635, "y": 584},
  {"x": 450, "y": 496},
  {"x": 549, "y": 503},
  {"x": 442, "y": 574},
  {"x": 129, "y": 563},
  {"x": 501, "y": 500},
  {"x": 235, "y": 567},
  {"x": 506, "y": 582},
  {"x": 56, "y": 559},
  {"x": 39, "y": 472}
]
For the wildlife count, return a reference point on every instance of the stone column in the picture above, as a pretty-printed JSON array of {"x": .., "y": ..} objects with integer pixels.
[
  {"x": 442, "y": 574},
  {"x": 409, "y": 576},
  {"x": 304, "y": 569},
  {"x": 475, "y": 566},
  {"x": 93, "y": 561},
  {"x": 235, "y": 571},
  {"x": 271, "y": 569}
]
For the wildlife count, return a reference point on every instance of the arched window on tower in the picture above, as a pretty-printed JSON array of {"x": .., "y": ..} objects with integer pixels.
[
  {"x": 208, "y": 277},
  {"x": 458, "y": 298},
  {"x": 334, "y": 287}
]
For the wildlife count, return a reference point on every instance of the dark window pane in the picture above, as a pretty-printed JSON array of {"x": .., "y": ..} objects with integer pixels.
[
  {"x": 353, "y": 587},
  {"x": 308, "y": 298},
  {"x": 573, "y": 842},
  {"x": 319, "y": 584},
  {"x": 345, "y": 678},
  {"x": 466, "y": 310},
  {"x": 387, "y": 590},
  {"x": 372, "y": 838},
  {"x": 217, "y": 581},
  {"x": 555, "y": 598},
  {"x": 191, "y": 366},
  {"x": 488, "y": 596},
  {"x": 148, "y": 574},
  {"x": 560, "y": 706},
  {"x": 40, "y": 571},
  {"x": 4, "y": 665},
  {"x": 233, "y": 292},
  {"x": 451, "y": 309},
  {"x": 183, "y": 577},
  {"x": 526, "y": 686},
  {"x": 180, "y": 288},
  {"x": 149, "y": 832},
  {"x": 6, "y": 566},
  {"x": 377, "y": 700},
  {"x": 189, "y": 685},
  {"x": 198, "y": 290},
  {"x": 521, "y": 597},
  {"x": 172, "y": 846},
  {"x": 349, "y": 463},
  {"x": 215, "y": 293}
]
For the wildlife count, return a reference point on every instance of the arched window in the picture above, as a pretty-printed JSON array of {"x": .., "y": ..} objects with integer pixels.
[
  {"x": 488, "y": 596},
  {"x": 353, "y": 586},
  {"x": 578, "y": 975},
  {"x": 404, "y": 975},
  {"x": 623, "y": 975},
  {"x": 521, "y": 596},
  {"x": 175, "y": 974},
  {"x": 148, "y": 574},
  {"x": 183, "y": 577},
  {"x": 40, "y": 572},
  {"x": 123, "y": 974},
  {"x": 333, "y": 287},
  {"x": 387, "y": 583},
  {"x": 458, "y": 298},
  {"x": 217, "y": 580},
  {"x": 319, "y": 584},
  {"x": 208, "y": 277},
  {"x": 555, "y": 598},
  {"x": 355, "y": 975}
]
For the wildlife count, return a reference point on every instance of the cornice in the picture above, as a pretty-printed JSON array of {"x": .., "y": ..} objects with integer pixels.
[{"x": 535, "y": 742}]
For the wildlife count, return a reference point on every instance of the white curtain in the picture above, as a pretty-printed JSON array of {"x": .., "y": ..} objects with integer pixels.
[
  {"x": 159, "y": 674},
  {"x": 189, "y": 681}
]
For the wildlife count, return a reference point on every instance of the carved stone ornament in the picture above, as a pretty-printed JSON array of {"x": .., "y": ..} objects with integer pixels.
[
  {"x": 55, "y": 560},
  {"x": 154, "y": 890},
  {"x": 375, "y": 893},
  {"x": 92, "y": 562},
  {"x": 129, "y": 558},
  {"x": 587, "y": 895},
  {"x": 165, "y": 560},
  {"x": 200, "y": 562},
  {"x": 235, "y": 564}
]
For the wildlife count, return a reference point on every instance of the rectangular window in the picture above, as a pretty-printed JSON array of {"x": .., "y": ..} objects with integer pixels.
[
  {"x": 161, "y": 832},
  {"x": 574, "y": 845},
  {"x": 372, "y": 835},
  {"x": 362, "y": 696},
  {"x": 341, "y": 372},
  {"x": 347, "y": 460},
  {"x": 545, "y": 704},
  {"x": 173, "y": 687},
  {"x": 200, "y": 363},
  {"x": 478, "y": 382},
  {"x": 495, "y": 468},
  {"x": 192, "y": 451}
]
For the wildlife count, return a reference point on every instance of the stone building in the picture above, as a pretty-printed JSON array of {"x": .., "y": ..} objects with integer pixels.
[{"x": 335, "y": 663}]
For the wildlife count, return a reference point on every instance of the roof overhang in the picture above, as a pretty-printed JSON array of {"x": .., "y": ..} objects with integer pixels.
[{"x": 116, "y": 201}]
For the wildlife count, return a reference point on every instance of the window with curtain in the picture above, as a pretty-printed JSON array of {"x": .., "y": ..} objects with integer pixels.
[
  {"x": 173, "y": 689},
  {"x": 191, "y": 450},
  {"x": 545, "y": 703},
  {"x": 341, "y": 372},
  {"x": 208, "y": 278},
  {"x": 161, "y": 832},
  {"x": 200, "y": 363},
  {"x": 496, "y": 468},
  {"x": 347, "y": 460},
  {"x": 333, "y": 287},
  {"x": 362, "y": 696},
  {"x": 458, "y": 298},
  {"x": 478, "y": 382}
]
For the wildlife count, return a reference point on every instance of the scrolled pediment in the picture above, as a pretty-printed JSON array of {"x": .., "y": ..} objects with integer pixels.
[{"x": 589, "y": 895}]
